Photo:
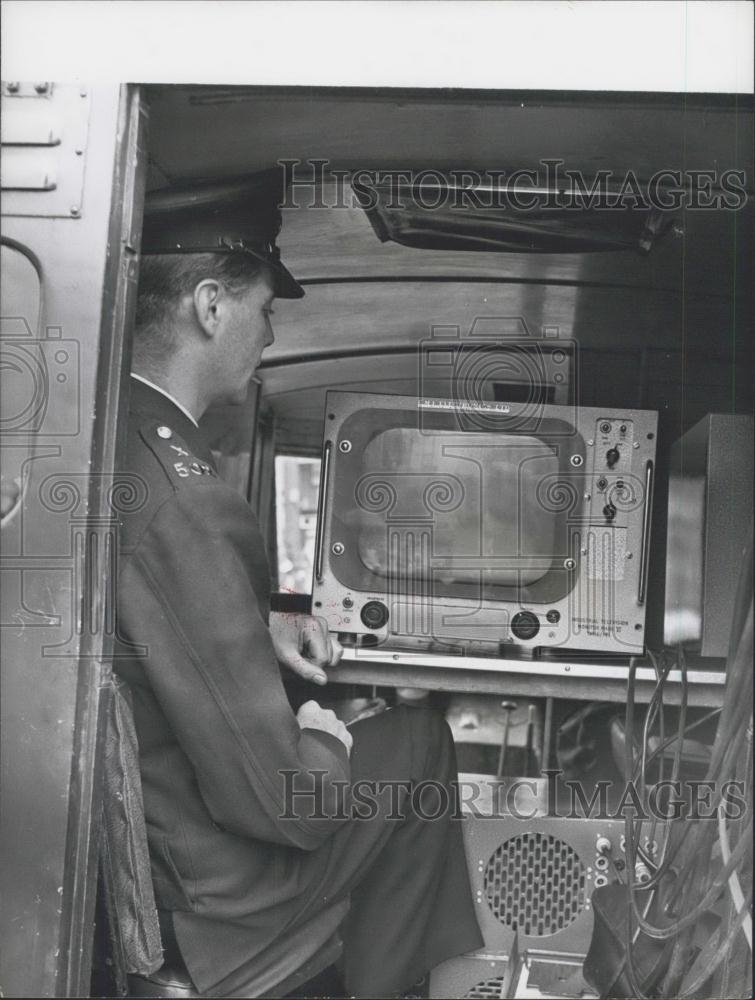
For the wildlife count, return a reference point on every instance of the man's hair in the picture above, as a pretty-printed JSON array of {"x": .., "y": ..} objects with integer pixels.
[{"x": 164, "y": 279}]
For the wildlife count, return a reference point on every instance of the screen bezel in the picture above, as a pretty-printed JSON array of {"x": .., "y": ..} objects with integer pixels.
[{"x": 363, "y": 425}]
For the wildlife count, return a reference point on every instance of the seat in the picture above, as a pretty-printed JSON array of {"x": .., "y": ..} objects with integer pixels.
[
  {"x": 278, "y": 971},
  {"x": 140, "y": 966}
]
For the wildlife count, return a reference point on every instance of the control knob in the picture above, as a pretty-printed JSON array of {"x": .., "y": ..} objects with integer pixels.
[
  {"x": 525, "y": 625},
  {"x": 374, "y": 614}
]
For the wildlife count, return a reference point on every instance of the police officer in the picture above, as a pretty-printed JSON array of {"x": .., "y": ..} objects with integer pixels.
[{"x": 250, "y": 810}]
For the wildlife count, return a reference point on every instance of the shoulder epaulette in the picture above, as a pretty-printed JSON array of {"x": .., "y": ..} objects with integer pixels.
[{"x": 173, "y": 454}]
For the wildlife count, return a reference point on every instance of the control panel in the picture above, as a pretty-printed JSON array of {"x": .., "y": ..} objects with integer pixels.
[{"x": 424, "y": 543}]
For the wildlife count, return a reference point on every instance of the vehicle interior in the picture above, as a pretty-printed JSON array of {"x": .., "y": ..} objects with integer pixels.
[
  {"x": 658, "y": 331},
  {"x": 649, "y": 314},
  {"x": 667, "y": 329}
]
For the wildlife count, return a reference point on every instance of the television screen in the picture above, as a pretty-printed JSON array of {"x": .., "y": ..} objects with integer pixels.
[
  {"x": 436, "y": 508},
  {"x": 469, "y": 490},
  {"x": 483, "y": 524}
]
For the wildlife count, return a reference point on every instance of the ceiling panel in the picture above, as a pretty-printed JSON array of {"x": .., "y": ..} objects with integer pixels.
[
  {"x": 364, "y": 295},
  {"x": 708, "y": 251},
  {"x": 339, "y": 318},
  {"x": 216, "y": 131}
]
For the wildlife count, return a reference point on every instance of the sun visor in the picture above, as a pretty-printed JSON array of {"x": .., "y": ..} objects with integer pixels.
[{"x": 441, "y": 213}]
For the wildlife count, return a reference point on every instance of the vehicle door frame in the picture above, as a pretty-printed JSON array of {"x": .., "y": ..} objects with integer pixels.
[{"x": 55, "y": 692}]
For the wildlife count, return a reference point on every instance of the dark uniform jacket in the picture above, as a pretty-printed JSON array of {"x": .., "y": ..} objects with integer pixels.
[{"x": 214, "y": 725}]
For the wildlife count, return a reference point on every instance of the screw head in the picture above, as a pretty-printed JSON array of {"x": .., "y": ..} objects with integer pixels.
[
  {"x": 337, "y": 548},
  {"x": 344, "y": 446},
  {"x": 570, "y": 563},
  {"x": 13, "y": 87},
  {"x": 576, "y": 461},
  {"x": 41, "y": 88},
  {"x": 75, "y": 211}
]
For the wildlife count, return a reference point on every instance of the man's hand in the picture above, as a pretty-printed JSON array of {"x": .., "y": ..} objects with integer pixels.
[
  {"x": 312, "y": 716},
  {"x": 302, "y": 644}
]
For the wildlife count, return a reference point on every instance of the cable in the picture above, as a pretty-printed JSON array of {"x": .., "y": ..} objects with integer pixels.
[
  {"x": 663, "y": 864},
  {"x": 712, "y": 893},
  {"x": 727, "y": 736},
  {"x": 640, "y": 765},
  {"x": 629, "y": 766},
  {"x": 676, "y": 766},
  {"x": 710, "y": 896},
  {"x": 631, "y": 975},
  {"x": 617, "y": 873},
  {"x": 734, "y": 887},
  {"x": 687, "y": 730},
  {"x": 710, "y": 967},
  {"x": 690, "y": 853},
  {"x": 717, "y": 884},
  {"x": 726, "y": 748}
]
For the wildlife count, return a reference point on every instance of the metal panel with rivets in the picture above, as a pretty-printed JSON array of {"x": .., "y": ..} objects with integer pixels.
[{"x": 45, "y": 131}]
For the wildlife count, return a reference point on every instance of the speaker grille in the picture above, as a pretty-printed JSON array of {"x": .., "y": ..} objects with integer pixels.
[
  {"x": 535, "y": 883},
  {"x": 488, "y": 988}
]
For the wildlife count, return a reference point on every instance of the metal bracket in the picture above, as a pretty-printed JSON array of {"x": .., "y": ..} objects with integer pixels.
[{"x": 44, "y": 139}]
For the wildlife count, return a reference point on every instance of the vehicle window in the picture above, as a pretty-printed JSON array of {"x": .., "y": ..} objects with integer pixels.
[{"x": 297, "y": 479}]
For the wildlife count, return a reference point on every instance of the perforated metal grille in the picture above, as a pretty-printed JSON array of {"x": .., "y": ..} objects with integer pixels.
[
  {"x": 535, "y": 883},
  {"x": 488, "y": 988}
]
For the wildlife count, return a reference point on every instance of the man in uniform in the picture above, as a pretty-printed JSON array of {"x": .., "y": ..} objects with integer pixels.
[{"x": 239, "y": 860}]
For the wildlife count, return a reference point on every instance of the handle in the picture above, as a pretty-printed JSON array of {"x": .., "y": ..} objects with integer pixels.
[
  {"x": 322, "y": 499},
  {"x": 645, "y": 548}
]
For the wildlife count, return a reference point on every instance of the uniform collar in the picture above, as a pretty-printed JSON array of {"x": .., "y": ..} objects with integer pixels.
[
  {"x": 157, "y": 388},
  {"x": 150, "y": 401}
]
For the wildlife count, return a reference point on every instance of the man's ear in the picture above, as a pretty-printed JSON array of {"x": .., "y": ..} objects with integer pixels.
[{"x": 207, "y": 296}]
